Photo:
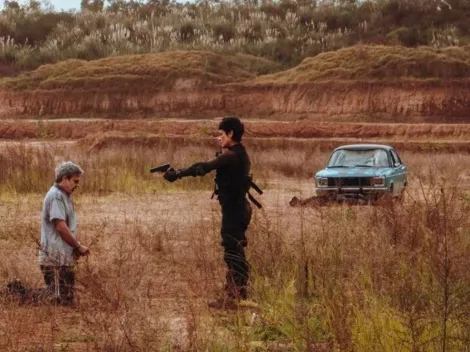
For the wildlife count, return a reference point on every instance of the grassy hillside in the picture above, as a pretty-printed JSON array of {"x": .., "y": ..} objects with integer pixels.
[
  {"x": 378, "y": 62},
  {"x": 187, "y": 70},
  {"x": 196, "y": 69}
]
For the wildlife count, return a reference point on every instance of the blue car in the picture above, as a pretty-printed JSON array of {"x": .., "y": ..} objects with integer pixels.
[{"x": 362, "y": 171}]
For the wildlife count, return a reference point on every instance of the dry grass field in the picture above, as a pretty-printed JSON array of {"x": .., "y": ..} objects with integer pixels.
[
  {"x": 393, "y": 277},
  {"x": 77, "y": 128},
  {"x": 141, "y": 83}
]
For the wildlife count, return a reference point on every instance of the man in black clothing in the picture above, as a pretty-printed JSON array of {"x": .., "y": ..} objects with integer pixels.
[{"x": 232, "y": 184}]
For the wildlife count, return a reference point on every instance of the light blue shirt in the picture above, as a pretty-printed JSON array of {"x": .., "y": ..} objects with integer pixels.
[{"x": 54, "y": 250}]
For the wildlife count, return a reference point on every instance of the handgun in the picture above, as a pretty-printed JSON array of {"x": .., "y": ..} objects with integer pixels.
[{"x": 160, "y": 168}]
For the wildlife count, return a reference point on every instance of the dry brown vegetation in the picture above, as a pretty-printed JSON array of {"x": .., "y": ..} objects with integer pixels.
[
  {"x": 392, "y": 277},
  {"x": 185, "y": 70},
  {"x": 178, "y": 70},
  {"x": 387, "y": 63},
  {"x": 95, "y": 130},
  {"x": 107, "y": 140}
]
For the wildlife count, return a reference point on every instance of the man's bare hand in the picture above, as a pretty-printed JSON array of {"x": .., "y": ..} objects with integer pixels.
[{"x": 83, "y": 251}]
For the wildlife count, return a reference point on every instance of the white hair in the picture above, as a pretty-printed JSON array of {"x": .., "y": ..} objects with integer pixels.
[{"x": 67, "y": 169}]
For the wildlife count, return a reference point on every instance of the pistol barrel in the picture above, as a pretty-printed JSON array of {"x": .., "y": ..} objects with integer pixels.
[{"x": 160, "y": 168}]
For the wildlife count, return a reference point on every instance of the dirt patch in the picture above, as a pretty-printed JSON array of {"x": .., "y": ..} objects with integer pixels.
[
  {"x": 89, "y": 128},
  {"x": 110, "y": 140}
]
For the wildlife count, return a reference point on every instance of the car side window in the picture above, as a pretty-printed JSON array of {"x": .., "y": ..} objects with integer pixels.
[
  {"x": 395, "y": 157},
  {"x": 392, "y": 158},
  {"x": 380, "y": 159}
]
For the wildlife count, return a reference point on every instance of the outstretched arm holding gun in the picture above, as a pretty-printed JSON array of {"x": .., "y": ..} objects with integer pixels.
[
  {"x": 197, "y": 169},
  {"x": 203, "y": 168}
]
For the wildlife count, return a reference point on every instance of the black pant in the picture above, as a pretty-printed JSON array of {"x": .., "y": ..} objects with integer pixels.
[
  {"x": 237, "y": 272},
  {"x": 60, "y": 280},
  {"x": 235, "y": 221}
]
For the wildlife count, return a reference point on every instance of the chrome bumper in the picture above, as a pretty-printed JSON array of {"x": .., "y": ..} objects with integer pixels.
[{"x": 350, "y": 189}]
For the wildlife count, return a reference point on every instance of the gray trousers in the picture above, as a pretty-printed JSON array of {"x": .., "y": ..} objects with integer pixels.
[{"x": 60, "y": 281}]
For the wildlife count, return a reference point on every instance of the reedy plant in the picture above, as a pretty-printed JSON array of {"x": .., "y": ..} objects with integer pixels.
[{"x": 286, "y": 32}]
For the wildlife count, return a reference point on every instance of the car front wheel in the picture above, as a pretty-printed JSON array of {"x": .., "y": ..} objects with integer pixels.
[{"x": 401, "y": 196}]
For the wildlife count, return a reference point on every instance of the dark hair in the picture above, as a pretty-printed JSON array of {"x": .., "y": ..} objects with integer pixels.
[
  {"x": 233, "y": 124},
  {"x": 67, "y": 169}
]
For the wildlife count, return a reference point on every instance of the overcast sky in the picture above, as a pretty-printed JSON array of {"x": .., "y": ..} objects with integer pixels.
[
  {"x": 58, "y": 4},
  {"x": 65, "y": 4}
]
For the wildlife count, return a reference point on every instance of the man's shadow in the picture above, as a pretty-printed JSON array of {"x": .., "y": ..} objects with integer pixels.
[{"x": 16, "y": 291}]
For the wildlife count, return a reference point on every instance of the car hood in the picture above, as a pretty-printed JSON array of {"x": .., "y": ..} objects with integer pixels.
[{"x": 353, "y": 172}]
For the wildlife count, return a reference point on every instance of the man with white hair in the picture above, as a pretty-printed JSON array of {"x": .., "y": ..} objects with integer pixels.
[{"x": 59, "y": 242}]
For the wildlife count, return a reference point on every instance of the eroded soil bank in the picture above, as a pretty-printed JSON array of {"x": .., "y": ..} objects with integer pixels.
[{"x": 404, "y": 101}]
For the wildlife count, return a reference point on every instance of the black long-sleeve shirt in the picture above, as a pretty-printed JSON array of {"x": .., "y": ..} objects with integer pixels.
[
  {"x": 232, "y": 175},
  {"x": 226, "y": 159}
]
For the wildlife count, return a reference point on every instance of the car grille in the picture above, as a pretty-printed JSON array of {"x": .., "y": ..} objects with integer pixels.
[{"x": 349, "y": 181}]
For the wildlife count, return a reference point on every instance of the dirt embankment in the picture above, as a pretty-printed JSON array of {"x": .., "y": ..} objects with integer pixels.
[
  {"x": 78, "y": 129},
  {"x": 116, "y": 139},
  {"x": 363, "y": 83},
  {"x": 405, "y": 101}
]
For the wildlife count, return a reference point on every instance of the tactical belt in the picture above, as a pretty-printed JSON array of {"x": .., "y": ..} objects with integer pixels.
[{"x": 250, "y": 196}]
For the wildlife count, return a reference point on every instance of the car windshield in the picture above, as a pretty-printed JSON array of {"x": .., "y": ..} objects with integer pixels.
[{"x": 361, "y": 158}]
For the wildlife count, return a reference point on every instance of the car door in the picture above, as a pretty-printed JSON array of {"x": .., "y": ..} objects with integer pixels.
[{"x": 399, "y": 172}]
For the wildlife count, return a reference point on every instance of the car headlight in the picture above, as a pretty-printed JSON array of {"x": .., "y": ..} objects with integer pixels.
[
  {"x": 378, "y": 181},
  {"x": 321, "y": 181}
]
